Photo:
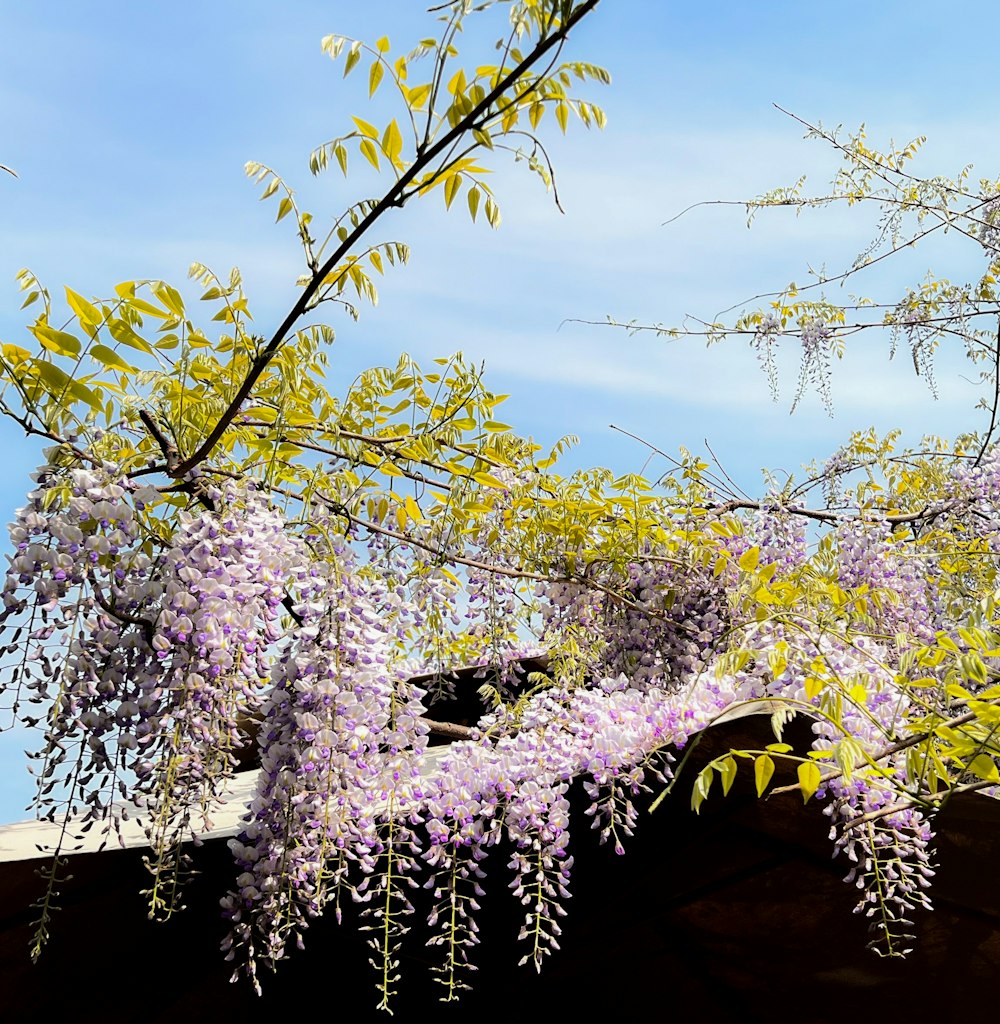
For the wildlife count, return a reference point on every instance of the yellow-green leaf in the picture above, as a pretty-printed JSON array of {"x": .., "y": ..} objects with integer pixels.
[
  {"x": 451, "y": 186},
  {"x": 984, "y": 766},
  {"x": 124, "y": 335},
  {"x": 487, "y": 480},
  {"x": 366, "y": 129},
  {"x": 147, "y": 307},
  {"x": 84, "y": 394},
  {"x": 109, "y": 357},
  {"x": 473, "y": 200},
  {"x": 562, "y": 115},
  {"x": 170, "y": 297},
  {"x": 809, "y": 779},
  {"x": 763, "y": 769},
  {"x": 89, "y": 315},
  {"x": 55, "y": 380},
  {"x": 353, "y": 56},
  {"x": 369, "y": 152},
  {"x": 749, "y": 559},
  {"x": 413, "y": 509},
  {"x": 492, "y": 213},
  {"x": 374, "y": 77},
  {"x": 392, "y": 141},
  {"x": 60, "y": 342},
  {"x": 15, "y": 355},
  {"x": 727, "y": 769},
  {"x": 701, "y": 787},
  {"x": 417, "y": 96},
  {"x": 456, "y": 86}
]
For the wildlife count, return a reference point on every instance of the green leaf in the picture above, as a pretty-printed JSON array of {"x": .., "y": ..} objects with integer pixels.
[
  {"x": 109, "y": 357},
  {"x": 340, "y": 152},
  {"x": 809, "y": 779},
  {"x": 284, "y": 209},
  {"x": 763, "y": 769}
]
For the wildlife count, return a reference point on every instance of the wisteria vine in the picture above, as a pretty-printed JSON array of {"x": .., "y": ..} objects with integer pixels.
[{"x": 149, "y": 656}]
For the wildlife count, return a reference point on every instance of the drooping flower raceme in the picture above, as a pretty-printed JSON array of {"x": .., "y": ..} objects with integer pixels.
[
  {"x": 340, "y": 744},
  {"x": 223, "y": 583}
]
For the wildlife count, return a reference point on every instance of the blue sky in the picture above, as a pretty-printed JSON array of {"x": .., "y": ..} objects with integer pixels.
[{"x": 129, "y": 125}]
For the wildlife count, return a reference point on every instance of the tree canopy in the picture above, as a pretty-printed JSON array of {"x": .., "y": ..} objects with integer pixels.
[{"x": 219, "y": 546}]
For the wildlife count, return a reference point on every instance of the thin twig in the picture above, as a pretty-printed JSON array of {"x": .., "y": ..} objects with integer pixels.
[
  {"x": 996, "y": 399},
  {"x": 135, "y": 620}
]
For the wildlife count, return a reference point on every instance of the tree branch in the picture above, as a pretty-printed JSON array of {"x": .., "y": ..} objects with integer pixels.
[{"x": 391, "y": 199}]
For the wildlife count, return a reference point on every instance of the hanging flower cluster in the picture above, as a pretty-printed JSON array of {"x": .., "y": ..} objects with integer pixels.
[
  {"x": 82, "y": 585},
  {"x": 899, "y": 581},
  {"x": 148, "y": 650},
  {"x": 223, "y": 580},
  {"x": 165, "y": 648},
  {"x": 340, "y": 743},
  {"x": 658, "y": 627}
]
